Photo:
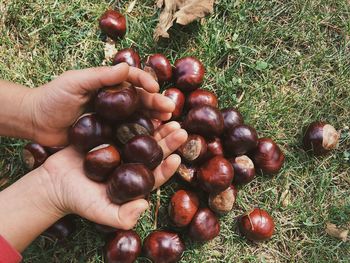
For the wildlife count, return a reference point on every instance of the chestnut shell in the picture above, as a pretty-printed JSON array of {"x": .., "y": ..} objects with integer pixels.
[
  {"x": 124, "y": 247},
  {"x": 34, "y": 155},
  {"x": 256, "y": 225},
  {"x": 188, "y": 73},
  {"x": 244, "y": 169},
  {"x": 204, "y": 226},
  {"x": 223, "y": 202},
  {"x": 240, "y": 140},
  {"x": 161, "y": 66},
  {"x": 201, "y": 97},
  {"x": 61, "y": 229},
  {"x": 182, "y": 208},
  {"x": 113, "y": 24},
  {"x": 143, "y": 149},
  {"x": 163, "y": 247},
  {"x": 178, "y": 98},
  {"x": 129, "y": 182},
  {"x": 129, "y": 56},
  {"x": 232, "y": 118}
]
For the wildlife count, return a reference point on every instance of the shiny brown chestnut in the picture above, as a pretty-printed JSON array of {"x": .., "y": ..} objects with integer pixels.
[
  {"x": 193, "y": 149},
  {"x": 117, "y": 103},
  {"x": 223, "y": 202},
  {"x": 215, "y": 175},
  {"x": 201, "y": 97},
  {"x": 124, "y": 247},
  {"x": 182, "y": 208},
  {"x": 243, "y": 168},
  {"x": 113, "y": 24},
  {"x": 129, "y": 56},
  {"x": 178, "y": 98},
  {"x": 187, "y": 173},
  {"x": 204, "y": 226},
  {"x": 163, "y": 247},
  {"x": 232, "y": 117},
  {"x": 240, "y": 140},
  {"x": 256, "y": 225},
  {"x": 188, "y": 73},
  {"x": 143, "y": 121},
  {"x": 214, "y": 148},
  {"x": 268, "y": 157},
  {"x": 161, "y": 66},
  {"x": 143, "y": 149},
  {"x": 204, "y": 120},
  {"x": 320, "y": 138},
  {"x": 89, "y": 131},
  {"x": 129, "y": 182},
  {"x": 34, "y": 155},
  {"x": 61, "y": 229},
  {"x": 101, "y": 161}
]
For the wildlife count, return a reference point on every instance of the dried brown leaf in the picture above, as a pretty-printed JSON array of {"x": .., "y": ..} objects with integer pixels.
[
  {"x": 131, "y": 6},
  {"x": 334, "y": 231},
  {"x": 109, "y": 51}
]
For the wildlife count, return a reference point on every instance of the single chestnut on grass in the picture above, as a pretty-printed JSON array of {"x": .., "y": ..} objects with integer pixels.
[
  {"x": 188, "y": 73},
  {"x": 244, "y": 169},
  {"x": 268, "y": 157},
  {"x": 320, "y": 138},
  {"x": 256, "y": 225},
  {"x": 113, "y": 24},
  {"x": 34, "y": 155},
  {"x": 124, "y": 247},
  {"x": 215, "y": 175},
  {"x": 129, "y": 182},
  {"x": 161, "y": 67},
  {"x": 143, "y": 149},
  {"x": 89, "y": 131},
  {"x": 163, "y": 247},
  {"x": 204, "y": 120},
  {"x": 201, "y": 97},
  {"x": 240, "y": 140},
  {"x": 204, "y": 226},
  {"x": 101, "y": 161},
  {"x": 187, "y": 173},
  {"x": 193, "y": 149},
  {"x": 118, "y": 102},
  {"x": 182, "y": 208},
  {"x": 178, "y": 98},
  {"x": 129, "y": 56},
  {"x": 232, "y": 118},
  {"x": 223, "y": 202},
  {"x": 61, "y": 229}
]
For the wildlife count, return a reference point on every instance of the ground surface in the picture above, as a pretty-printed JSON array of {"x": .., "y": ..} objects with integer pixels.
[{"x": 282, "y": 63}]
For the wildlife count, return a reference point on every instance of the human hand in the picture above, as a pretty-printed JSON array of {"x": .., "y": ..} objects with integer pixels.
[
  {"x": 70, "y": 191},
  {"x": 57, "y": 104}
]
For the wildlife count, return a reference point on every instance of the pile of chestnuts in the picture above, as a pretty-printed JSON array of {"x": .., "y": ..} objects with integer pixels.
[{"x": 221, "y": 154}]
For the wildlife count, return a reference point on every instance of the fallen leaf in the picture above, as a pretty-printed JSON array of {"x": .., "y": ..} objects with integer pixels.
[
  {"x": 334, "y": 231},
  {"x": 131, "y": 6},
  {"x": 109, "y": 51},
  {"x": 285, "y": 198}
]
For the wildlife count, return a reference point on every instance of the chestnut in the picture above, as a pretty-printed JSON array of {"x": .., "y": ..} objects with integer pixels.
[
  {"x": 178, "y": 98},
  {"x": 240, "y": 140},
  {"x": 34, "y": 155},
  {"x": 188, "y": 73},
  {"x": 223, "y": 202},
  {"x": 193, "y": 149},
  {"x": 61, "y": 229},
  {"x": 204, "y": 120},
  {"x": 201, "y": 97},
  {"x": 243, "y": 169},
  {"x": 256, "y": 225},
  {"x": 215, "y": 175},
  {"x": 182, "y": 208},
  {"x": 214, "y": 147},
  {"x": 163, "y": 247},
  {"x": 129, "y": 56},
  {"x": 232, "y": 118},
  {"x": 320, "y": 138},
  {"x": 268, "y": 157},
  {"x": 88, "y": 132},
  {"x": 161, "y": 66},
  {"x": 117, "y": 103},
  {"x": 124, "y": 247},
  {"x": 187, "y": 173},
  {"x": 129, "y": 182},
  {"x": 143, "y": 121},
  {"x": 127, "y": 131},
  {"x": 113, "y": 24},
  {"x": 204, "y": 226},
  {"x": 143, "y": 149},
  {"x": 100, "y": 162}
]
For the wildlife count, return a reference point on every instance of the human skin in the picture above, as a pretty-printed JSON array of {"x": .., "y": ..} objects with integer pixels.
[{"x": 60, "y": 187}]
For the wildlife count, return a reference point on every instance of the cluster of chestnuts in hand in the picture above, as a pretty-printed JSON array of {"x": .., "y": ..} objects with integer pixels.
[{"x": 221, "y": 154}]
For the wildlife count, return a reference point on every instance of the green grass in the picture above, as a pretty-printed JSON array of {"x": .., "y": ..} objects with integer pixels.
[{"x": 288, "y": 61}]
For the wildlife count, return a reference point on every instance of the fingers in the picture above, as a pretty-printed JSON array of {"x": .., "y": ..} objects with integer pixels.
[
  {"x": 156, "y": 101},
  {"x": 158, "y": 115},
  {"x": 166, "y": 169},
  {"x": 142, "y": 79},
  {"x": 173, "y": 141},
  {"x": 165, "y": 130}
]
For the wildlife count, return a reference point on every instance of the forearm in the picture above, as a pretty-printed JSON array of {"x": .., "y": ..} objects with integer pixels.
[
  {"x": 16, "y": 111},
  {"x": 26, "y": 209}
]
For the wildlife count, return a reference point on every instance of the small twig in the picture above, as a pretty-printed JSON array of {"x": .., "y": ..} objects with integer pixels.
[{"x": 156, "y": 212}]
